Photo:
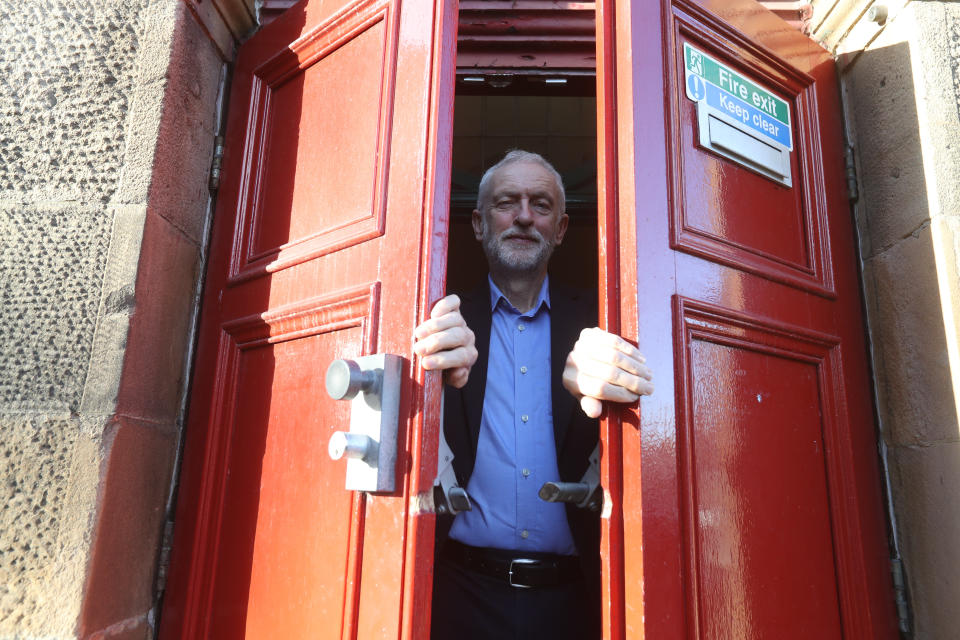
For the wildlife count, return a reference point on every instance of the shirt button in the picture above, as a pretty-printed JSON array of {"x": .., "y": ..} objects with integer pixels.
[
  {"x": 524, "y": 534},
  {"x": 524, "y": 418},
  {"x": 521, "y": 327},
  {"x": 523, "y": 369},
  {"x": 526, "y": 472}
]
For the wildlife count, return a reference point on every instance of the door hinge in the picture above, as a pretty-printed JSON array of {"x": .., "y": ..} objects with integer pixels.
[
  {"x": 900, "y": 596},
  {"x": 215, "y": 166},
  {"x": 850, "y": 168}
]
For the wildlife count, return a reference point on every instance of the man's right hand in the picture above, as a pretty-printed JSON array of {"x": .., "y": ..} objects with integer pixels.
[{"x": 445, "y": 342}]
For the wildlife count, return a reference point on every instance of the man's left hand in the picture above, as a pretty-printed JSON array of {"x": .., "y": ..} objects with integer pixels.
[{"x": 604, "y": 366}]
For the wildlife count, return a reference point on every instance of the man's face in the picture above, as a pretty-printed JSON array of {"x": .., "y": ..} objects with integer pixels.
[{"x": 521, "y": 224}]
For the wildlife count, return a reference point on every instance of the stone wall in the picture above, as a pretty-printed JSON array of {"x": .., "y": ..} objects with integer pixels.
[
  {"x": 107, "y": 121},
  {"x": 107, "y": 126},
  {"x": 901, "y": 81}
]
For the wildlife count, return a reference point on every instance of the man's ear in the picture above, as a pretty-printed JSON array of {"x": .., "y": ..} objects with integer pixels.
[
  {"x": 477, "y": 221},
  {"x": 562, "y": 227}
]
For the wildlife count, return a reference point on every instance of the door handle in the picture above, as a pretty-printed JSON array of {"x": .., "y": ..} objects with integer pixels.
[
  {"x": 372, "y": 386},
  {"x": 585, "y": 494}
]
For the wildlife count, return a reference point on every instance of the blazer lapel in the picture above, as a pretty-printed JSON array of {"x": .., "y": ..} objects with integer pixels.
[
  {"x": 475, "y": 308},
  {"x": 565, "y": 326}
]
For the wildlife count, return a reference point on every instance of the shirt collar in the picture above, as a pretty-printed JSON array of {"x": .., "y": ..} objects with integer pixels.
[{"x": 543, "y": 299}]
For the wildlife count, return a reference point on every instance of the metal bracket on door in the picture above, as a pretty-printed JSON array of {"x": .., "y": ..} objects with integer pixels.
[
  {"x": 448, "y": 496},
  {"x": 585, "y": 494},
  {"x": 372, "y": 385}
]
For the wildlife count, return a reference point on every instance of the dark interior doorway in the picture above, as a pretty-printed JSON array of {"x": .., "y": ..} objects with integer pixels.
[
  {"x": 526, "y": 78},
  {"x": 556, "y": 119}
]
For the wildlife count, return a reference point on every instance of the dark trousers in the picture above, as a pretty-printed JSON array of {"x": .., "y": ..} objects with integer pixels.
[{"x": 472, "y": 606}]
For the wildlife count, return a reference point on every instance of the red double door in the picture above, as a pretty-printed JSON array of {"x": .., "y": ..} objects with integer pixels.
[{"x": 743, "y": 498}]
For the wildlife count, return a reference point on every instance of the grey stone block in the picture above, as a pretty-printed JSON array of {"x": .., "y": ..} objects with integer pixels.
[
  {"x": 67, "y": 72},
  {"x": 41, "y": 521},
  {"x": 915, "y": 384},
  {"x": 185, "y": 138},
  {"x": 926, "y": 481},
  {"x": 51, "y": 265}
]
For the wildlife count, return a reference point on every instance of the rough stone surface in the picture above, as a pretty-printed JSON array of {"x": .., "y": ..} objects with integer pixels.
[
  {"x": 937, "y": 62},
  {"x": 51, "y": 262},
  {"x": 892, "y": 175},
  {"x": 903, "y": 104},
  {"x": 925, "y": 483},
  {"x": 914, "y": 379},
  {"x": 67, "y": 70},
  {"x": 145, "y": 332},
  {"x": 159, "y": 328},
  {"x": 185, "y": 136},
  {"x": 37, "y": 519},
  {"x": 84, "y": 88},
  {"x": 129, "y": 527},
  {"x": 946, "y": 241},
  {"x": 939, "y": 107},
  {"x": 117, "y": 302}
]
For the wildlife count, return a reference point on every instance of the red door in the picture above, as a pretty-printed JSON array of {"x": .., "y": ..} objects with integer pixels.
[
  {"x": 329, "y": 242},
  {"x": 746, "y": 500},
  {"x": 750, "y": 508}
]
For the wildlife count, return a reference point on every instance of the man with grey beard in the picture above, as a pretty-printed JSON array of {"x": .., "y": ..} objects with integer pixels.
[{"x": 514, "y": 565}]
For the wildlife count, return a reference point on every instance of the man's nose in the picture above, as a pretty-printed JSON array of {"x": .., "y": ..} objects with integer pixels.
[{"x": 524, "y": 215}]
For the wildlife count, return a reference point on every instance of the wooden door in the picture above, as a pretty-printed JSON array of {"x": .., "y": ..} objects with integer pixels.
[
  {"x": 745, "y": 493},
  {"x": 329, "y": 241}
]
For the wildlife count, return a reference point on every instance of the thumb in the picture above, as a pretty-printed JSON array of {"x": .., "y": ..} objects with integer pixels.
[{"x": 591, "y": 406}]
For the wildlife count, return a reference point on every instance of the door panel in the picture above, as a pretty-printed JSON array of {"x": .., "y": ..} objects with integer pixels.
[
  {"x": 335, "y": 86},
  {"x": 329, "y": 242},
  {"x": 757, "y": 414},
  {"x": 780, "y": 235},
  {"x": 745, "y": 493},
  {"x": 275, "y": 541}
]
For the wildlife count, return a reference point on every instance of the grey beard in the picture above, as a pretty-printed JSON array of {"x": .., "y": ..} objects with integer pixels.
[{"x": 502, "y": 259}]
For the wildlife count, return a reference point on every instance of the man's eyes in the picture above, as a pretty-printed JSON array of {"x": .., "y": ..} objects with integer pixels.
[{"x": 540, "y": 206}]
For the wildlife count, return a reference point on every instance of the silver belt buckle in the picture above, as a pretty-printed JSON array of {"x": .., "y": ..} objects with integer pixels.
[{"x": 510, "y": 574}]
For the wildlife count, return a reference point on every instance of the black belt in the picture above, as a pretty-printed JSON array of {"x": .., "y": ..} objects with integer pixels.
[{"x": 524, "y": 571}]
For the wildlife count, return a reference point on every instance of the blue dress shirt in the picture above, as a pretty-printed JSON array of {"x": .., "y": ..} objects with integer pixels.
[{"x": 516, "y": 451}]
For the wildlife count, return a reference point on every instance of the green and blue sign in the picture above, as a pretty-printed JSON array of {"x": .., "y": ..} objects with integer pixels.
[{"x": 739, "y": 98}]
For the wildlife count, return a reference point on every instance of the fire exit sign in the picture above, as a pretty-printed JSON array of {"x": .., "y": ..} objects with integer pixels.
[{"x": 739, "y": 98}]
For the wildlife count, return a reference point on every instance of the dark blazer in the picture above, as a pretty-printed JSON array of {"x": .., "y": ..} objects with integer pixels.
[{"x": 576, "y": 435}]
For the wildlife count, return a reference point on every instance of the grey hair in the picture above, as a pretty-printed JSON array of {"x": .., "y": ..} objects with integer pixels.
[{"x": 514, "y": 156}]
